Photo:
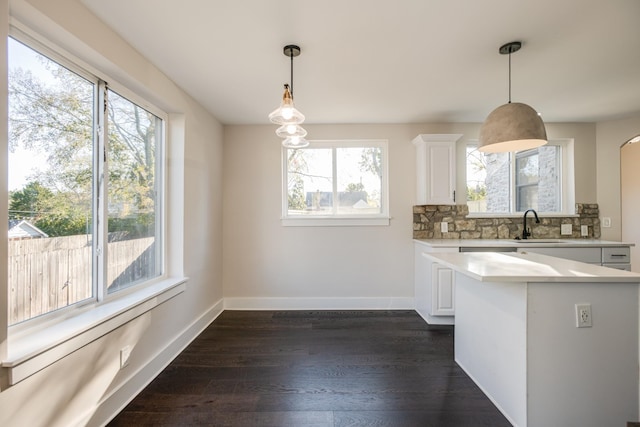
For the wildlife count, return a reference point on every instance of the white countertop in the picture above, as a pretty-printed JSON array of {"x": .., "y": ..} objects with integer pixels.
[
  {"x": 521, "y": 244},
  {"x": 527, "y": 267}
]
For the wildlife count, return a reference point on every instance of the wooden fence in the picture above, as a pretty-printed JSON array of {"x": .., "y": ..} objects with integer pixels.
[{"x": 51, "y": 273}]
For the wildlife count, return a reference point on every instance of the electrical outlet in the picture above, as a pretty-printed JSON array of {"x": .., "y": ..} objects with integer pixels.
[
  {"x": 125, "y": 353},
  {"x": 566, "y": 229},
  {"x": 444, "y": 227},
  {"x": 584, "y": 230},
  {"x": 606, "y": 222},
  {"x": 583, "y": 316}
]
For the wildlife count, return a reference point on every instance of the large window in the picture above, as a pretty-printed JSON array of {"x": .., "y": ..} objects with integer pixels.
[
  {"x": 336, "y": 180},
  {"x": 503, "y": 183},
  {"x": 85, "y": 193}
]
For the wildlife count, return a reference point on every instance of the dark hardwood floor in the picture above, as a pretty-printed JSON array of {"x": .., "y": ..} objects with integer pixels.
[{"x": 315, "y": 368}]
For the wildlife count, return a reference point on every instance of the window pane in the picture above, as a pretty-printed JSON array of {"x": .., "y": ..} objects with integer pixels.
[
  {"x": 310, "y": 181},
  {"x": 527, "y": 198},
  {"x": 476, "y": 180},
  {"x": 336, "y": 179},
  {"x": 527, "y": 169},
  {"x": 359, "y": 176},
  {"x": 133, "y": 206},
  {"x": 488, "y": 181},
  {"x": 549, "y": 184},
  {"x": 536, "y": 181},
  {"x": 50, "y": 185}
]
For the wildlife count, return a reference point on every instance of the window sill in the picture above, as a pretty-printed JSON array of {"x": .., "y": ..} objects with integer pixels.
[
  {"x": 33, "y": 350},
  {"x": 335, "y": 222}
]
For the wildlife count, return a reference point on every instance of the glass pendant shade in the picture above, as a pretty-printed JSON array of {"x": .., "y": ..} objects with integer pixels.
[
  {"x": 295, "y": 142},
  {"x": 286, "y": 114},
  {"x": 286, "y": 131},
  {"x": 512, "y": 127}
]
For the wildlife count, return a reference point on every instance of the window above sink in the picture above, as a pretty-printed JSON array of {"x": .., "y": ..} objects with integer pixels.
[{"x": 510, "y": 183}]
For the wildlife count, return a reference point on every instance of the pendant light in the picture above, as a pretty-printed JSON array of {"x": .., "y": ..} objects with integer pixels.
[
  {"x": 512, "y": 126},
  {"x": 287, "y": 115}
]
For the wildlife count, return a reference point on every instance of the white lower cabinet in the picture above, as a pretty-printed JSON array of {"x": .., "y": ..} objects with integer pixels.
[
  {"x": 434, "y": 288},
  {"x": 443, "y": 281}
]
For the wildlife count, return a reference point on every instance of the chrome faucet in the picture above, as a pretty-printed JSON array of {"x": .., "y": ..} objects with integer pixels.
[{"x": 526, "y": 233}]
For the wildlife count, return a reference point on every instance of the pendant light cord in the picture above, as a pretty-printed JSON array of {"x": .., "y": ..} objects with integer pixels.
[
  {"x": 291, "y": 82},
  {"x": 509, "y": 76}
]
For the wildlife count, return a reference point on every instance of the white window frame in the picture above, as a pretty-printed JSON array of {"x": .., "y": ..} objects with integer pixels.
[
  {"x": 100, "y": 168},
  {"x": 379, "y": 219},
  {"x": 38, "y": 342},
  {"x": 567, "y": 182}
]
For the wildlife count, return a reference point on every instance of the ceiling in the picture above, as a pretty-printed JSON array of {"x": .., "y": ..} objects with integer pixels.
[{"x": 383, "y": 61}]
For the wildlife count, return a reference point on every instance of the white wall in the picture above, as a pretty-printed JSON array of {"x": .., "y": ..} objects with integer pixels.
[
  {"x": 267, "y": 265},
  {"x": 610, "y": 136},
  {"x": 584, "y": 156},
  {"x": 87, "y": 386},
  {"x": 362, "y": 266}
]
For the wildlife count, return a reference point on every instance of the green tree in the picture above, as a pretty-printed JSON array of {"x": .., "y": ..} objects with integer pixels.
[
  {"x": 29, "y": 201},
  {"x": 54, "y": 214}
]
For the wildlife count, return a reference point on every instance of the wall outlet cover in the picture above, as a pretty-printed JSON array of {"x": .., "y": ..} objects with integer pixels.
[
  {"x": 584, "y": 230},
  {"x": 444, "y": 227},
  {"x": 583, "y": 316},
  {"x": 566, "y": 229},
  {"x": 606, "y": 222}
]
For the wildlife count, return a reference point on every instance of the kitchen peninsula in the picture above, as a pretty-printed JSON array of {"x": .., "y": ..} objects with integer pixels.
[
  {"x": 434, "y": 283},
  {"x": 517, "y": 336}
]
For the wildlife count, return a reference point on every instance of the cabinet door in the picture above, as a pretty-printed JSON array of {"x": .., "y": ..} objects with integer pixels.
[
  {"x": 443, "y": 290},
  {"x": 436, "y": 169},
  {"x": 441, "y": 174}
]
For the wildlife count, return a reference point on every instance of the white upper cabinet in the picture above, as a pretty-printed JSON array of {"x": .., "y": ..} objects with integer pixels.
[{"x": 436, "y": 168}]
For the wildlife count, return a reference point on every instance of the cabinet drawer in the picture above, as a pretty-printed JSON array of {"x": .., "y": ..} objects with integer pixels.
[
  {"x": 588, "y": 255},
  {"x": 618, "y": 266},
  {"x": 616, "y": 254}
]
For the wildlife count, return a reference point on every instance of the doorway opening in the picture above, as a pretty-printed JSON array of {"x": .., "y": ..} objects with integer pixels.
[{"x": 630, "y": 196}]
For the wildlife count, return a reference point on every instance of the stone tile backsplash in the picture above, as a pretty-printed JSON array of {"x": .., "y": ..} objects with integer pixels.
[{"x": 427, "y": 219}]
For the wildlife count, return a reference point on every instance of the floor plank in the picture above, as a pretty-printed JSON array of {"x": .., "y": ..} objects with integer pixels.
[{"x": 315, "y": 368}]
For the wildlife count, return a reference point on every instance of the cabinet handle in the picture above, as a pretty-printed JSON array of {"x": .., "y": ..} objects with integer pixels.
[
  {"x": 618, "y": 255},
  {"x": 454, "y": 196}
]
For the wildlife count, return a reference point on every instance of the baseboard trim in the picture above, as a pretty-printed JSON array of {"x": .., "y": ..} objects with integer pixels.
[
  {"x": 400, "y": 303},
  {"x": 435, "y": 320},
  {"x": 113, "y": 403}
]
